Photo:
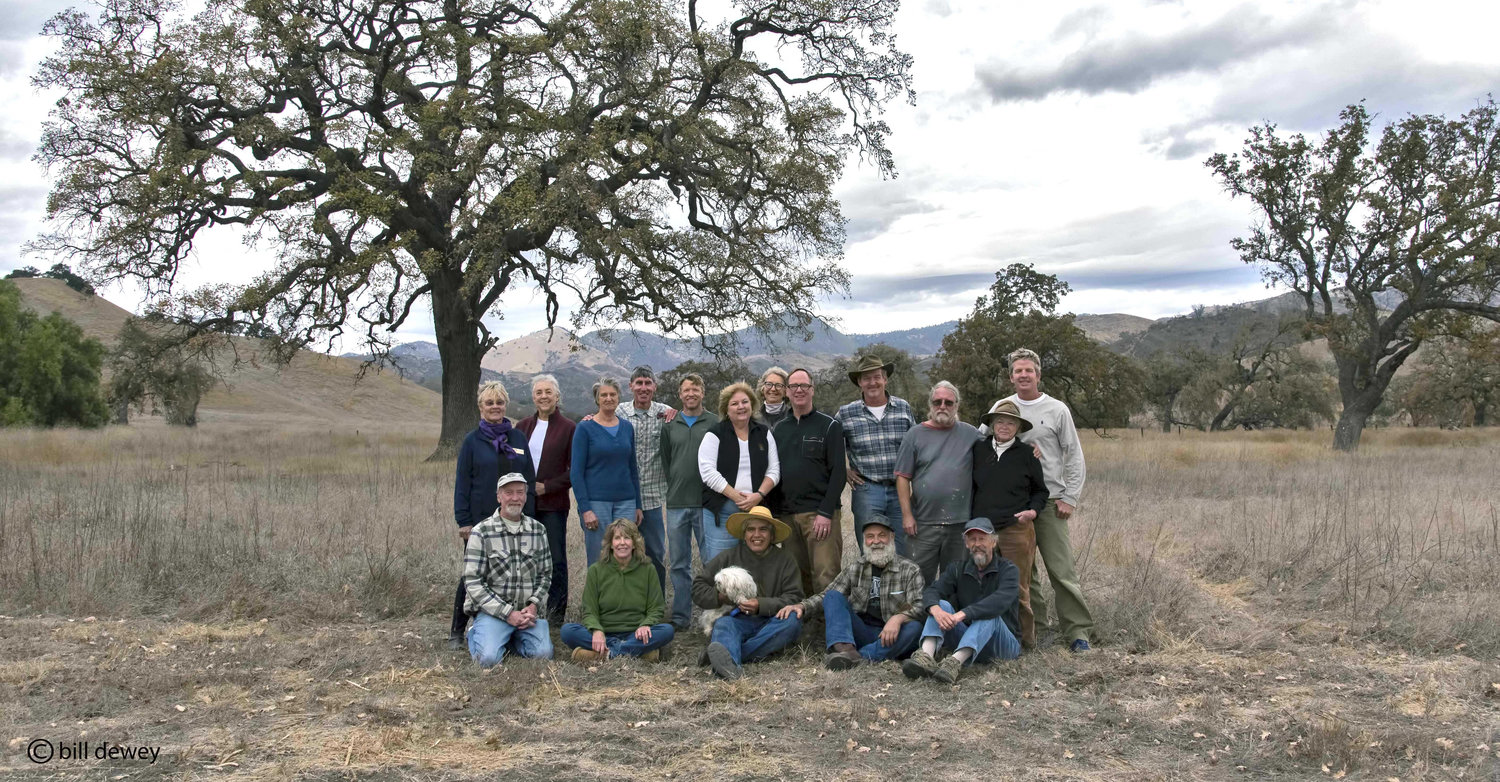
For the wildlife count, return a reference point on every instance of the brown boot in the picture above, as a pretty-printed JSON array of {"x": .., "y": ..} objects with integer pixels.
[{"x": 842, "y": 658}]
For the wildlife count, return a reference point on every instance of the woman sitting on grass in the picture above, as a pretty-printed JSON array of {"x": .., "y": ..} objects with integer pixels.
[{"x": 623, "y": 604}]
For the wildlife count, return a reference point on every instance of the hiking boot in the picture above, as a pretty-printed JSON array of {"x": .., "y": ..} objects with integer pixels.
[
  {"x": 583, "y": 654},
  {"x": 722, "y": 662},
  {"x": 652, "y": 656},
  {"x": 842, "y": 658},
  {"x": 919, "y": 665},
  {"x": 949, "y": 670},
  {"x": 1079, "y": 646},
  {"x": 456, "y": 642}
]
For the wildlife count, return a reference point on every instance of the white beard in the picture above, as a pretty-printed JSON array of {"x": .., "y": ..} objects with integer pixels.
[{"x": 880, "y": 557}]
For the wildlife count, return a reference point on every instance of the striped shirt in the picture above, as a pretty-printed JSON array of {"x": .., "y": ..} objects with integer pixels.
[
  {"x": 900, "y": 588},
  {"x": 874, "y": 445},
  {"x": 505, "y": 570},
  {"x": 648, "y": 424}
]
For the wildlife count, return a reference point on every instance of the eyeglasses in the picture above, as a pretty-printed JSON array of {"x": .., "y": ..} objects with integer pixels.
[
  {"x": 944, "y": 403},
  {"x": 799, "y": 387},
  {"x": 777, "y": 386}
]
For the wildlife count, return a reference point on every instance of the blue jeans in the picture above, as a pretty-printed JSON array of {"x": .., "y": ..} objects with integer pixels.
[
  {"x": 870, "y": 499},
  {"x": 491, "y": 638},
  {"x": 654, "y": 531},
  {"x": 576, "y": 636},
  {"x": 843, "y": 626},
  {"x": 683, "y": 526},
  {"x": 991, "y": 639},
  {"x": 716, "y": 537},
  {"x": 607, "y": 513},
  {"x": 754, "y": 638}
]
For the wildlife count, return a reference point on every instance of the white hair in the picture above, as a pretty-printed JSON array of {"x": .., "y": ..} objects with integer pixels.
[
  {"x": 544, "y": 378},
  {"x": 957, "y": 398},
  {"x": 738, "y": 585}
]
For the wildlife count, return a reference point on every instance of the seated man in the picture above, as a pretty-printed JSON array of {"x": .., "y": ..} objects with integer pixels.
[
  {"x": 870, "y": 606},
  {"x": 752, "y": 631},
  {"x": 973, "y": 610},
  {"x": 507, "y": 565}
]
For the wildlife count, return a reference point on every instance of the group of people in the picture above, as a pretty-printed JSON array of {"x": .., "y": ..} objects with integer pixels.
[{"x": 950, "y": 518}]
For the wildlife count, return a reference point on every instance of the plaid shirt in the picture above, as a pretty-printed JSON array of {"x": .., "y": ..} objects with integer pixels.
[
  {"x": 873, "y": 445},
  {"x": 504, "y": 570},
  {"x": 900, "y": 588},
  {"x": 648, "y": 424}
]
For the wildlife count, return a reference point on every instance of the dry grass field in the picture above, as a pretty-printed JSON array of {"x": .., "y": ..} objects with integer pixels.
[{"x": 265, "y": 602}]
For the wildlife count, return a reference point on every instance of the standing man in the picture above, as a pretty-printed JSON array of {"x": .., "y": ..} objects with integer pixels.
[
  {"x": 874, "y": 426},
  {"x": 1052, "y": 432},
  {"x": 549, "y": 434},
  {"x": 811, "y": 447},
  {"x": 934, "y": 478},
  {"x": 647, "y": 417},
  {"x": 507, "y": 571},
  {"x": 680, "y": 438}
]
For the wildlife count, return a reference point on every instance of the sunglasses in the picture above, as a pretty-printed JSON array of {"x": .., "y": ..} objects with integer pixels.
[{"x": 944, "y": 403}]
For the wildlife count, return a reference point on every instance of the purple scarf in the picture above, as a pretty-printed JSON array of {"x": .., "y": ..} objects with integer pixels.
[{"x": 498, "y": 435}]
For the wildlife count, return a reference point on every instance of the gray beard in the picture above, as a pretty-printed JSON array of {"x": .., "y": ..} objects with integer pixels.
[
  {"x": 981, "y": 559},
  {"x": 880, "y": 557}
]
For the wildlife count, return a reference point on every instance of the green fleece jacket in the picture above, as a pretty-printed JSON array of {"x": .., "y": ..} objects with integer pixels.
[
  {"x": 777, "y": 578},
  {"x": 617, "y": 600},
  {"x": 679, "y": 458}
]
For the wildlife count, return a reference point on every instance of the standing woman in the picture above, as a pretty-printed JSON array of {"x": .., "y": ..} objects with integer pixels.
[
  {"x": 606, "y": 479},
  {"x": 549, "y": 436},
  {"x": 738, "y": 464},
  {"x": 494, "y": 449},
  {"x": 773, "y": 408}
]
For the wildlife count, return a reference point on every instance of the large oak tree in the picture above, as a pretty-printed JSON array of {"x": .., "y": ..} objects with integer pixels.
[
  {"x": 631, "y": 158},
  {"x": 1389, "y": 241}
]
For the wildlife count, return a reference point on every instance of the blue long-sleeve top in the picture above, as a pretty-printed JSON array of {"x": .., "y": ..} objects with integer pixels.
[
  {"x": 604, "y": 466},
  {"x": 480, "y": 468}
]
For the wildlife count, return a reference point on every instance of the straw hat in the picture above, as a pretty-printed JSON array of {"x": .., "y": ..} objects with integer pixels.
[
  {"x": 1008, "y": 409},
  {"x": 736, "y": 524}
]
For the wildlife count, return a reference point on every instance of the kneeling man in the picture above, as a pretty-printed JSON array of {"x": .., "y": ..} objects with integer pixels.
[
  {"x": 973, "y": 610},
  {"x": 870, "y": 605},
  {"x": 507, "y": 570},
  {"x": 751, "y": 631}
]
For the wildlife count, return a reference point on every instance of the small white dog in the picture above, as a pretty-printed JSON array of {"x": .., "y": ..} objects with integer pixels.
[{"x": 738, "y": 585}]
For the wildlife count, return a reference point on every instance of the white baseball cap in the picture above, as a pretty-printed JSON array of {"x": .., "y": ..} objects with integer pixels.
[{"x": 509, "y": 478}]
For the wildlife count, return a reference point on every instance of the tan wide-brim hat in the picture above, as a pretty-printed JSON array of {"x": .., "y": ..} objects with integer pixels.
[
  {"x": 867, "y": 363},
  {"x": 736, "y": 524},
  {"x": 1008, "y": 409}
]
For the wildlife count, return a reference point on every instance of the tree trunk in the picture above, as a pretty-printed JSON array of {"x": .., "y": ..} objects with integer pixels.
[{"x": 457, "y": 336}]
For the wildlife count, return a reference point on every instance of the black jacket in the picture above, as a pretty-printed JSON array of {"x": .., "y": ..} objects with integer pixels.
[
  {"x": 728, "y": 463},
  {"x": 1006, "y": 485},
  {"x": 994, "y": 591},
  {"x": 811, "y": 450}
]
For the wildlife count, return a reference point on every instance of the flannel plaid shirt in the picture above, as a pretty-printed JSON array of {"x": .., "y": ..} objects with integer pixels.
[
  {"x": 900, "y": 588},
  {"x": 503, "y": 570},
  {"x": 873, "y": 445},
  {"x": 648, "y": 424}
]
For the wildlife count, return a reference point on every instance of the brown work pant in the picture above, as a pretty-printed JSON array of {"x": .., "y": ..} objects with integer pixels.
[
  {"x": 1018, "y": 544},
  {"x": 819, "y": 560}
]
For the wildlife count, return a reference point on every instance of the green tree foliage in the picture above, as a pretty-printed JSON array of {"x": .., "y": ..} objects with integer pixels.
[
  {"x": 1276, "y": 389},
  {"x": 716, "y": 375},
  {"x": 833, "y": 390},
  {"x": 1388, "y": 242},
  {"x": 152, "y": 362},
  {"x": 1102, "y": 388},
  {"x": 1165, "y": 376},
  {"x": 640, "y": 157},
  {"x": 59, "y": 271},
  {"x": 49, "y": 371},
  {"x": 1456, "y": 382}
]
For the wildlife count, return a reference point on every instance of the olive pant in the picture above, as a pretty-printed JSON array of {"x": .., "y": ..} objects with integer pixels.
[
  {"x": 1052, "y": 539},
  {"x": 1018, "y": 544},
  {"x": 819, "y": 560}
]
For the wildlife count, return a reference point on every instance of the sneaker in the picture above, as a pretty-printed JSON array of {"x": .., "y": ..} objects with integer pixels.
[
  {"x": 722, "y": 662},
  {"x": 652, "y": 656},
  {"x": 842, "y": 659},
  {"x": 583, "y": 654},
  {"x": 948, "y": 670},
  {"x": 919, "y": 665},
  {"x": 1079, "y": 646}
]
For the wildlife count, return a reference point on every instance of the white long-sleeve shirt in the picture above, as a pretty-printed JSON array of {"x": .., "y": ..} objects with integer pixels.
[
  {"x": 708, "y": 465},
  {"x": 1052, "y": 430}
]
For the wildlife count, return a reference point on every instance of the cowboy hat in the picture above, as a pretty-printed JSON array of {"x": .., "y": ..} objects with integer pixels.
[
  {"x": 867, "y": 363},
  {"x": 1008, "y": 409},
  {"x": 736, "y": 524}
]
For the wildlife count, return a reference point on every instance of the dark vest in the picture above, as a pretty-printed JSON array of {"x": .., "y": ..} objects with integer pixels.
[{"x": 729, "y": 459}]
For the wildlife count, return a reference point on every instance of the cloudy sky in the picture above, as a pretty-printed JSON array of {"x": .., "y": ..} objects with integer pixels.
[{"x": 1071, "y": 136}]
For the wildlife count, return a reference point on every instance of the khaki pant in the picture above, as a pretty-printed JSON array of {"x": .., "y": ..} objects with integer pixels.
[
  {"x": 819, "y": 560},
  {"x": 1018, "y": 544},
  {"x": 935, "y": 547},
  {"x": 1052, "y": 539}
]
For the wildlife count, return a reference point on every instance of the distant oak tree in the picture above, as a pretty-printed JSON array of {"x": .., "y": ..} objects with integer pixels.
[
  {"x": 1389, "y": 241},
  {"x": 652, "y": 164}
]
